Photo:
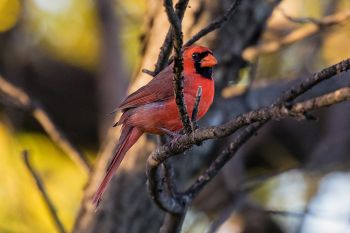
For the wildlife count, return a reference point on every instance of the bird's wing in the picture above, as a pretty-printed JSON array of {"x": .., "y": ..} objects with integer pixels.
[{"x": 160, "y": 88}]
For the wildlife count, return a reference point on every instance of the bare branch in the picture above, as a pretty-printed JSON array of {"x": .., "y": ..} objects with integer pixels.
[
  {"x": 195, "y": 108},
  {"x": 216, "y": 24},
  {"x": 299, "y": 20},
  {"x": 23, "y": 100},
  {"x": 298, "y": 34},
  {"x": 312, "y": 81},
  {"x": 167, "y": 44},
  {"x": 159, "y": 191},
  {"x": 335, "y": 97},
  {"x": 151, "y": 73},
  {"x": 166, "y": 48},
  {"x": 178, "y": 79},
  {"x": 42, "y": 190}
]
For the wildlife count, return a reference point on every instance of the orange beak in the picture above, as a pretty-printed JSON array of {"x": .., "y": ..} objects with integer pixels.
[{"x": 209, "y": 61}]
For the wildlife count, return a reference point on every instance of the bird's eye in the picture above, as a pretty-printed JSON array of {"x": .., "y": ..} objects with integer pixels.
[{"x": 195, "y": 56}]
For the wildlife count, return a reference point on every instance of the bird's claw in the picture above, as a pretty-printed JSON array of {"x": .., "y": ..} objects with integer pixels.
[
  {"x": 170, "y": 133},
  {"x": 174, "y": 136}
]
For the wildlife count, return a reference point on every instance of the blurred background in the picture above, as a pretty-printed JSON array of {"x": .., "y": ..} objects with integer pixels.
[{"x": 77, "y": 58}]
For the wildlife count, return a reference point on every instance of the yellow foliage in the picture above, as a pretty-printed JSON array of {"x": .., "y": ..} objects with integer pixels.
[
  {"x": 69, "y": 33},
  {"x": 9, "y": 14},
  {"x": 69, "y": 29},
  {"x": 22, "y": 208},
  {"x": 335, "y": 46}
]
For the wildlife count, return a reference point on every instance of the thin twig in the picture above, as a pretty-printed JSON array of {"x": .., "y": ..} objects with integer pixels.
[
  {"x": 178, "y": 79},
  {"x": 23, "y": 100},
  {"x": 298, "y": 34},
  {"x": 166, "y": 48},
  {"x": 299, "y": 20},
  {"x": 216, "y": 24},
  {"x": 195, "y": 108},
  {"x": 326, "y": 100},
  {"x": 149, "y": 72},
  {"x": 42, "y": 190}
]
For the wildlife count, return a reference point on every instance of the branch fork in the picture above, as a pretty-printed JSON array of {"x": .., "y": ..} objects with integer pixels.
[{"x": 252, "y": 121}]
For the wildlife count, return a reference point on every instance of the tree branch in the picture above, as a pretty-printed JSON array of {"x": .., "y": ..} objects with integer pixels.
[
  {"x": 195, "y": 108},
  {"x": 276, "y": 112},
  {"x": 166, "y": 48},
  {"x": 159, "y": 191},
  {"x": 261, "y": 116},
  {"x": 23, "y": 100},
  {"x": 216, "y": 24},
  {"x": 178, "y": 80},
  {"x": 222, "y": 159},
  {"x": 326, "y": 100},
  {"x": 42, "y": 190},
  {"x": 298, "y": 34},
  {"x": 315, "y": 79}
]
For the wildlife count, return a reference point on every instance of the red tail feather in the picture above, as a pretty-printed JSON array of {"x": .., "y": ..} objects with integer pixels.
[{"x": 127, "y": 139}]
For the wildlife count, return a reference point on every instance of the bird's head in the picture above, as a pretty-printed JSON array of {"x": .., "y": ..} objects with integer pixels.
[{"x": 199, "y": 59}]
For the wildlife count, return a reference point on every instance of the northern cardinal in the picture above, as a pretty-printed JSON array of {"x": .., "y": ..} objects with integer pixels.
[{"x": 152, "y": 108}]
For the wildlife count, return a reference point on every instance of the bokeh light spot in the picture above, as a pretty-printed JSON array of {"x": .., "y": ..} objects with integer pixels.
[{"x": 53, "y": 6}]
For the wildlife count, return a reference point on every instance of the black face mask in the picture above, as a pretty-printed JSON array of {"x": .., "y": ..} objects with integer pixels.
[{"x": 206, "y": 72}]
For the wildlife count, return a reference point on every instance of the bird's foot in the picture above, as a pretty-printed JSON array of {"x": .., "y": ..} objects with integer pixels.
[{"x": 172, "y": 135}]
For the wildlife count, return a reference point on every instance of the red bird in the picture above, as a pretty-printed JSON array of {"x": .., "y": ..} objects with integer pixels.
[{"x": 152, "y": 108}]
